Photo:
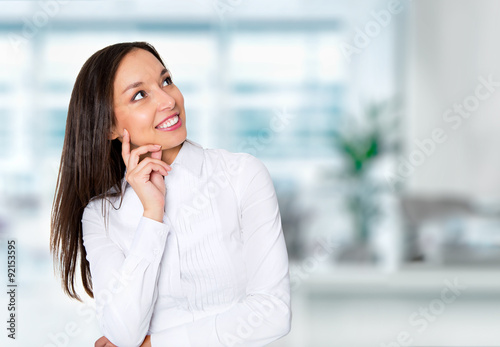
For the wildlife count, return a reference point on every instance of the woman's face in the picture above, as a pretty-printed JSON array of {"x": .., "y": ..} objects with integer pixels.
[{"x": 144, "y": 96}]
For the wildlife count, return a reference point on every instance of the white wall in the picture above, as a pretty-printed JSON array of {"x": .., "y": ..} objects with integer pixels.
[{"x": 453, "y": 44}]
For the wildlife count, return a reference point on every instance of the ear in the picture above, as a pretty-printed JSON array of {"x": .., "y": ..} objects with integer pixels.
[{"x": 113, "y": 134}]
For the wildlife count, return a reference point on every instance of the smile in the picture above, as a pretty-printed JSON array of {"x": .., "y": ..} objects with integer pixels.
[{"x": 170, "y": 123}]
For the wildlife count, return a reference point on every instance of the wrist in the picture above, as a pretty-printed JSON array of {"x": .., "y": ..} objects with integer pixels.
[{"x": 155, "y": 215}]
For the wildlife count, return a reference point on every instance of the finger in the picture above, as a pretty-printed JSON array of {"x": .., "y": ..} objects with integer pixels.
[
  {"x": 157, "y": 154},
  {"x": 126, "y": 146},
  {"x": 145, "y": 171},
  {"x": 101, "y": 342},
  {"x": 136, "y": 153},
  {"x": 157, "y": 178},
  {"x": 147, "y": 161}
]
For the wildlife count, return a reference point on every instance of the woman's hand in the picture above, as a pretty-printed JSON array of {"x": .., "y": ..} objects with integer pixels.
[
  {"x": 103, "y": 342},
  {"x": 146, "y": 177},
  {"x": 147, "y": 341}
]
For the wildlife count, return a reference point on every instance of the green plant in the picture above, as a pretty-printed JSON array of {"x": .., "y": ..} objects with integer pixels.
[{"x": 361, "y": 141}]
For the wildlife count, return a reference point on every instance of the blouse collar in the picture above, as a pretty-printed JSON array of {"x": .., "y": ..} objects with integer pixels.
[{"x": 190, "y": 156}]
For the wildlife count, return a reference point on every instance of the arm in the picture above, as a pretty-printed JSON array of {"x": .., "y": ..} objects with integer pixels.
[
  {"x": 124, "y": 286},
  {"x": 264, "y": 315}
]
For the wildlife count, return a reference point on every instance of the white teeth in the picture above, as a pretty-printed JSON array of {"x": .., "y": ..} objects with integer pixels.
[{"x": 169, "y": 123}]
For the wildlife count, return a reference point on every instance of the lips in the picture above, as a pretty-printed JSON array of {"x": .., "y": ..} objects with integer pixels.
[{"x": 166, "y": 119}]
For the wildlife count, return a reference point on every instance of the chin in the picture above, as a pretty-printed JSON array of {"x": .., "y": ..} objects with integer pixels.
[{"x": 176, "y": 140}]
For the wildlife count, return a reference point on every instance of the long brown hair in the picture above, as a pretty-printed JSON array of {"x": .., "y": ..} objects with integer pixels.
[{"x": 91, "y": 163}]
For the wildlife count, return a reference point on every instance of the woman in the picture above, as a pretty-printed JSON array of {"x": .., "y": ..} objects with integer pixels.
[{"x": 193, "y": 252}]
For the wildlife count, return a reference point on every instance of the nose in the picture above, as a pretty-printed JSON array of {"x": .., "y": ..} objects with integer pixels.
[{"x": 165, "y": 100}]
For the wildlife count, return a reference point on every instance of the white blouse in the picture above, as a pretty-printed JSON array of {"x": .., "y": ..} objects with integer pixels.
[{"x": 214, "y": 273}]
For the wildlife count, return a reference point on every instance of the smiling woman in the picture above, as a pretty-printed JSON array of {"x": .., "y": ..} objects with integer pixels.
[
  {"x": 148, "y": 103},
  {"x": 196, "y": 243}
]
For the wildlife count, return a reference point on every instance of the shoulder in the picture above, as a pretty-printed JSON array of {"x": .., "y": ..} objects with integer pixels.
[
  {"x": 112, "y": 199},
  {"x": 237, "y": 164},
  {"x": 246, "y": 172},
  {"x": 90, "y": 211},
  {"x": 96, "y": 207}
]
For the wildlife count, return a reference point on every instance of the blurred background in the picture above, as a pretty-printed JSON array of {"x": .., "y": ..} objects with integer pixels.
[{"x": 378, "y": 121}]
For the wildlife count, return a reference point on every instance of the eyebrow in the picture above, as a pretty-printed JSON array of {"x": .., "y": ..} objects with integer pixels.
[{"x": 137, "y": 84}]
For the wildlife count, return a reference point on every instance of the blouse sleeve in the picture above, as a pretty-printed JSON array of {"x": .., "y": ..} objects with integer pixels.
[
  {"x": 117, "y": 277},
  {"x": 264, "y": 315}
]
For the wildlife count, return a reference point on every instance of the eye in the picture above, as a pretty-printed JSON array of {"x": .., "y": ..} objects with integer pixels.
[
  {"x": 168, "y": 80},
  {"x": 142, "y": 93}
]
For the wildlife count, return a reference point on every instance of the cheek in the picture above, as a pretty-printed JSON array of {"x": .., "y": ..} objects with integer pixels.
[
  {"x": 135, "y": 117},
  {"x": 179, "y": 98},
  {"x": 119, "y": 120},
  {"x": 141, "y": 117}
]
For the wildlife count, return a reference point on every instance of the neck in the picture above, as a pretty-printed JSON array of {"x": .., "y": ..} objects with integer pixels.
[{"x": 169, "y": 155}]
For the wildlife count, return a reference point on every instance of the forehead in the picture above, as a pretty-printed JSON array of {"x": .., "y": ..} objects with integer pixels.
[{"x": 137, "y": 66}]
